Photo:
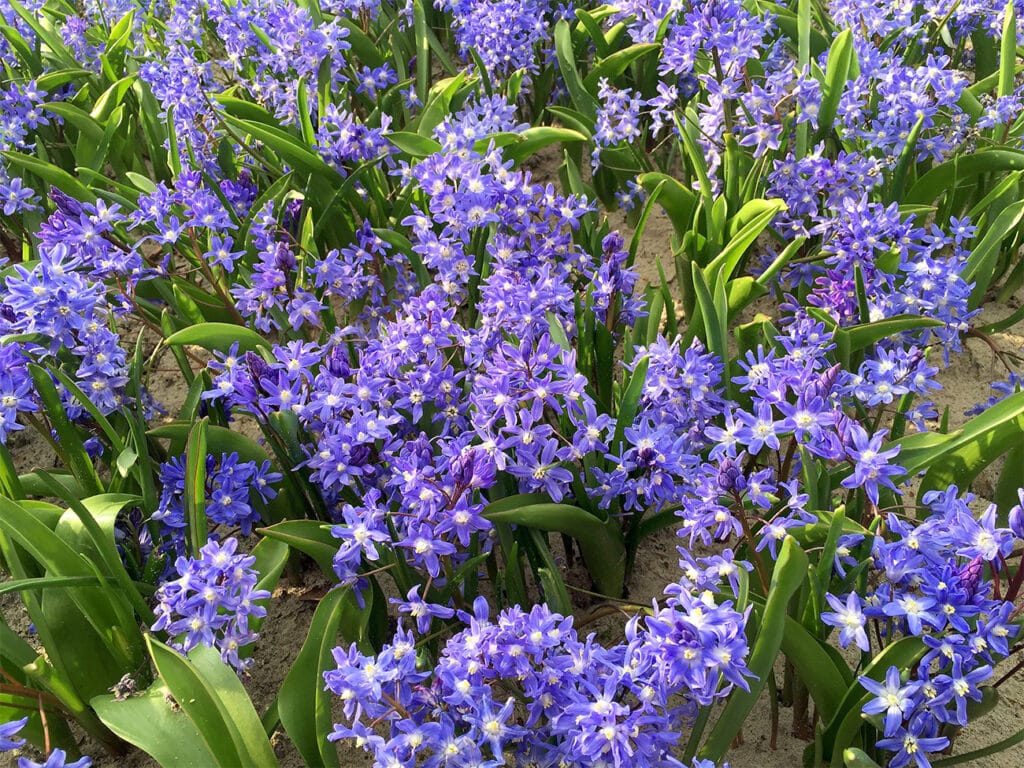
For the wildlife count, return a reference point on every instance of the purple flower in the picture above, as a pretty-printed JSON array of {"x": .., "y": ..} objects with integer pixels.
[
  {"x": 7, "y": 733},
  {"x": 871, "y": 468},
  {"x": 57, "y": 759},
  {"x": 893, "y": 698},
  {"x": 849, "y": 618}
]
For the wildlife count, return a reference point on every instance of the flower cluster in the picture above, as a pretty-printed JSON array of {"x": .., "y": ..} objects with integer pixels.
[
  {"x": 234, "y": 491},
  {"x": 930, "y": 585},
  {"x": 212, "y": 602},
  {"x": 525, "y": 684}
]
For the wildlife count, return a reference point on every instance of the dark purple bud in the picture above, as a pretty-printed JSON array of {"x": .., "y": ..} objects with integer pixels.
[
  {"x": 65, "y": 203},
  {"x": 258, "y": 368},
  {"x": 337, "y": 362},
  {"x": 7, "y": 313},
  {"x": 730, "y": 476},
  {"x": 461, "y": 467},
  {"x": 290, "y": 221},
  {"x": 612, "y": 244},
  {"x": 970, "y": 575},
  {"x": 359, "y": 456},
  {"x": 824, "y": 383},
  {"x": 284, "y": 259}
]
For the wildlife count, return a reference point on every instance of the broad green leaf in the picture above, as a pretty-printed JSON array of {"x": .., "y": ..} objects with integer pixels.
[
  {"x": 308, "y": 536},
  {"x": 51, "y": 175},
  {"x": 630, "y": 402},
  {"x": 212, "y": 697},
  {"x": 288, "y": 147},
  {"x": 825, "y": 682},
  {"x": 218, "y": 440},
  {"x": 303, "y": 704},
  {"x": 69, "y": 436},
  {"x": 857, "y": 758},
  {"x": 104, "y": 612},
  {"x": 981, "y": 264},
  {"x": 413, "y": 144},
  {"x": 599, "y": 540},
  {"x": 980, "y": 441},
  {"x": 219, "y": 336},
  {"x": 790, "y": 572},
  {"x": 538, "y": 137},
  {"x": 195, "y": 486},
  {"x": 841, "y": 57},
  {"x": 862, "y": 336},
  {"x": 958, "y": 170},
  {"x": 678, "y": 201},
  {"x": 757, "y": 215},
  {"x": 615, "y": 64},
  {"x": 566, "y": 57},
  {"x": 1008, "y": 51},
  {"x": 154, "y": 723},
  {"x": 79, "y": 118}
]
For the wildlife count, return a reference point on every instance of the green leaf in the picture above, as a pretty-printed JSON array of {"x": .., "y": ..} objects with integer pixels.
[
  {"x": 955, "y": 172},
  {"x": 614, "y": 65},
  {"x": 68, "y": 435},
  {"x": 825, "y": 682},
  {"x": 538, "y": 137},
  {"x": 303, "y": 704},
  {"x": 839, "y": 731},
  {"x": 573, "y": 119},
  {"x": 599, "y": 540},
  {"x": 219, "y": 336},
  {"x": 288, "y": 147},
  {"x": 862, "y": 336},
  {"x": 106, "y": 612},
  {"x": 111, "y": 98},
  {"x": 413, "y": 144},
  {"x": 757, "y": 215},
  {"x": 195, "y": 486},
  {"x": 212, "y": 697},
  {"x": 977, "y": 754},
  {"x": 981, "y": 264},
  {"x": 79, "y": 118},
  {"x": 678, "y": 201},
  {"x": 790, "y": 572},
  {"x": 581, "y": 97},
  {"x": 420, "y": 31},
  {"x": 979, "y": 442},
  {"x": 152, "y": 722},
  {"x": 841, "y": 56},
  {"x": 857, "y": 758},
  {"x": 715, "y": 325},
  {"x": 51, "y": 175},
  {"x": 1008, "y": 51},
  {"x": 630, "y": 401},
  {"x": 905, "y": 163},
  {"x": 218, "y": 440},
  {"x": 308, "y": 536}
]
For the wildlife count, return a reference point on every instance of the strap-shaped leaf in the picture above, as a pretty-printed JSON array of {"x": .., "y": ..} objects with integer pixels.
[
  {"x": 212, "y": 697},
  {"x": 790, "y": 572},
  {"x": 155, "y": 724},
  {"x": 218, "y": 336},
  {"x": 600, "y": 541},
  {"x": 195, "y": 486},
  {"x": 962, "y": 168},
  {"x": 303, "y": 704},
  {"x": 308, "y": 536}
]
